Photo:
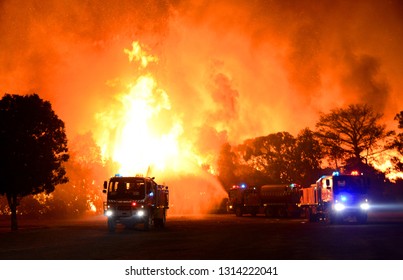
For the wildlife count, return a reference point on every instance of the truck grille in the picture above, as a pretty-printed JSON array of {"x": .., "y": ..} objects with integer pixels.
[{"x": 124, "y": 208}]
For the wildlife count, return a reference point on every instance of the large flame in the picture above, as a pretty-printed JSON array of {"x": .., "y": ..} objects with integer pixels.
[
  {"x": 232, "y": 70},
  {"x": 143, "y": 132},
  {"x": 144, "y": 136}
]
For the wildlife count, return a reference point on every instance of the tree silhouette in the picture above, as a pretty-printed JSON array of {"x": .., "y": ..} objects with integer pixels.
[
  {"x": 33, "y": 147},
  {"x": 307, "y": 157},
  {"x": 398, "y": 144},
  {"x": 348, "y": 133},
  {"x": 272, "y": 155}
]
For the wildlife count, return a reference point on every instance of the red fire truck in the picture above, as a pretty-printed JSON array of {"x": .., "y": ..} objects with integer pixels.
[
  {"x": 135, "y": 200},
  {"x": 272, "y": 200},
  {"x": 337, "y": 198}
]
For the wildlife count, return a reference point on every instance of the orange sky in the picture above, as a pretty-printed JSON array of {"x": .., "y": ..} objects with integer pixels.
[{"x": 232, "y": 69}]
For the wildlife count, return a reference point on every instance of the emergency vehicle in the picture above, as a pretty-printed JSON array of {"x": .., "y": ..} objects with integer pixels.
[
  {"x": 135, "y": 200},
  {"x": 271, "y": 200},
  {"x": 337, "y": 198}
]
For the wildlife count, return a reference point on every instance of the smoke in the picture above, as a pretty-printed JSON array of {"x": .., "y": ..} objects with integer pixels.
[
  {"x": 365, "y": 82},
  {"x": 232, "y": 69},
  {"x": 285, "y": 59}
]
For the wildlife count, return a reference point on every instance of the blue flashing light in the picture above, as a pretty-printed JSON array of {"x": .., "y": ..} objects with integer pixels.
[
  {"x": 243, "y": 186},
  {"x": 343, "y": 198},
  {"x": 336, "y": 173},
  {"x": 118, "y": 175}
]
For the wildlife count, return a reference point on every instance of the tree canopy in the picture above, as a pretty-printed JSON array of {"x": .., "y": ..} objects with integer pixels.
[
  {"x": 351, "y": 132},
  {"x": 272, "y": 159},
  {"x": 398, "y": 144},
  {"x": 32, "y": 150},
  {"x": 351, "y": 137}
]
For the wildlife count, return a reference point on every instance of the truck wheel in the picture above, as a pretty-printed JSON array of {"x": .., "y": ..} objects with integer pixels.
[
  {"x": 254, "y": 212},
  {"x": 327, "y": 218},
  {"x": 333, "y": 219},
  {"x": 362, "y": 218},
  {"x": 164, "y": 219},
  {"x": 238, "y": 212},
  {"x": 160, "y": 222},
  {"x": 269, "y": 212},
  {"x": 311, "y": 217},
  {"x": 111, "y": 225},
  {"x": 148, "y": 221},
  {"x": 282, "y": 212}
]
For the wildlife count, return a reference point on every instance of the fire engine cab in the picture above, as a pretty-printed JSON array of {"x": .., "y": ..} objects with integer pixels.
[
  {"x": 337, "y": 197},
  {"x": 135, "y": 200}
]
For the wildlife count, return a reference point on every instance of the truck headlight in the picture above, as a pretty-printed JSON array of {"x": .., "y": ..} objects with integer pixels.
[
  {"x": 339, "y": 207},
  {"x": 140, "y": 213},
  {"x": 364, "y": 205},
  {"x": 108, "y": 213}
]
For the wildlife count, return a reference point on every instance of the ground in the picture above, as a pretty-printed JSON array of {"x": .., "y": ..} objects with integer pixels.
[{"x": 210, "y": 237}]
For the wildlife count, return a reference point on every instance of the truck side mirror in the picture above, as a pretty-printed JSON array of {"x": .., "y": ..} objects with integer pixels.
[
  {"x": 104, "y": 191},
  {"x": 105, "y": 185}
]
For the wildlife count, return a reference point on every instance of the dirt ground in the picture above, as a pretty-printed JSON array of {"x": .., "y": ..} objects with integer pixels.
[{"x": 223, "y": 237}]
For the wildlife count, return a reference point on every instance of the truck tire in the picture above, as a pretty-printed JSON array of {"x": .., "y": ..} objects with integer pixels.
[
  {"x": 329, "y": 218},
  {"x": 311, "y": 217},
  {"x": 238, "y": 211},
  {"x": 163, "y": 220},
  {"x": 111, "y": 225},
  {"x": 148, "y": 220},
  {"x": 282, "y": 212},
  {"x": 333, "y": 219},
  {"x": 362, "y": 218},
  {"x": 254, "y": 212},
  {"x": 269, "y": 212},
  {"x": 160, "y": 222}
]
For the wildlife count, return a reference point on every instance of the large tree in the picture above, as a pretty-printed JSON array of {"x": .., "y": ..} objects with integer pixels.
[
  {"x": 307, "y": 157},
  {"x": 272, "y": 155},
  {"x": 33, "y": 147},
  {"x": 351, "y": 133},
  {"x": 398, "y": 144}
]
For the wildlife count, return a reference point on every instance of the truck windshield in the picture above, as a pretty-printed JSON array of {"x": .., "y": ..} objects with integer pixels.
[
  {"x": 128, "y": 189},
  {"x": 350, "y": 184}
]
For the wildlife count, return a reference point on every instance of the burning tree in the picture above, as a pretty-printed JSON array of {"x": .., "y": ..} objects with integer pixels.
[
  {"x": 86, "y": 171},
  {"x": 32, "y": 151}
]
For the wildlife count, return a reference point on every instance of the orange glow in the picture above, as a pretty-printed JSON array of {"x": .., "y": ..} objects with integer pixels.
[
  {"x": 383, "y": 163},
  {"x": 144, "y": 136},
  {"x": 199, "y": 73},
  {"x": 141, "y": 138}
]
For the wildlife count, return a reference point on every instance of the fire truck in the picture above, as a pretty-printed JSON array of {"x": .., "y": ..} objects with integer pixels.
[
  {"x": 272, "y": 200},
  {"x": 135, "y": 200},
  {"x": 337, "y": 198}
]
